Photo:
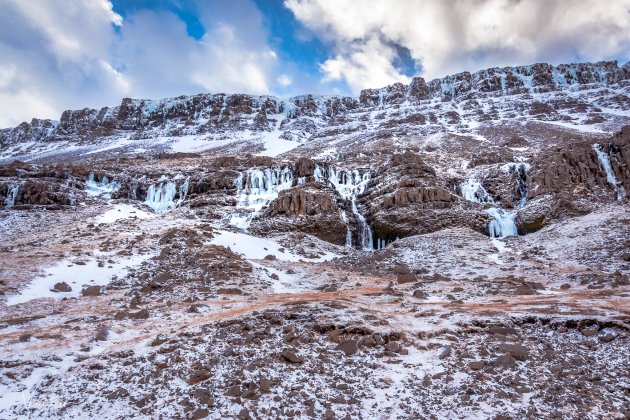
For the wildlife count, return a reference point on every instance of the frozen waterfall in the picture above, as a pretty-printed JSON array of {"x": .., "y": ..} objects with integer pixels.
[
  {"x": 350, "y": 184},
  {"x": 519, "y": 169},
  {"x": 161, "y": 197},
  {"x": 604, "y": 162},
  {"x": 9, "y": 201},
  {"x": 101, "y": 189},
  {"x": 348, "y": 231},
  {"x": 257, "y": 187},
  {"x": 472, "y": 190},
  {"x": 503, "y": 224}
]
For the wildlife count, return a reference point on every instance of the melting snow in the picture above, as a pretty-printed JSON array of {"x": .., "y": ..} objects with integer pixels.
[
  {"x": 122, "y": 211},
  {"x": 75, "y": 276},
  {"x": 255, "y": 248}
]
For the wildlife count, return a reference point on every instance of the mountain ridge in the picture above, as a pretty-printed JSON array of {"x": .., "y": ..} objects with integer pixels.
[{"x": 221, "y": 108}]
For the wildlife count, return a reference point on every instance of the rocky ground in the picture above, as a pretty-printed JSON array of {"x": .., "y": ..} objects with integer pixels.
[{"x": 370, "y": 260}]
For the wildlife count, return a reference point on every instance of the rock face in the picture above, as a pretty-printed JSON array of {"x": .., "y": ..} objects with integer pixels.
[
  {"x": 302, "y": 116},
  {"x": 311, "y": 208},
  {"x": 308, "y": 200},
  {"x": 486, "y": 128},
  {"x": 575, "y": 167},
  {"x": 536, "y": 78}
]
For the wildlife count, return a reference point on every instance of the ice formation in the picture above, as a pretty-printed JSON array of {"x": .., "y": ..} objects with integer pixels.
[
  {"x": 257, "y": 187},
  {"x": 9, "y": 201},
  {"x": 351, "y": 184},
  {"x": 344, "y": 217},
  {"x": 503, "y": 224},
  {"x": 102, "y": 188},
  {"x": 473, "y": 190},
  {"x": 161, "y": 197},
  {"x": 520, "y": 169},
  {"x": 604, "y": 162}
]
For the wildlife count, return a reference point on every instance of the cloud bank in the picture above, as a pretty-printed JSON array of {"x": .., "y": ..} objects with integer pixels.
[
  {"x": 449, "y": 36},
  {"x": 59, "y": 54}
]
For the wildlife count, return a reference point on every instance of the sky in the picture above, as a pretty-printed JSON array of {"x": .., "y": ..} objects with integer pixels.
[{"x": 71, "y": 54}]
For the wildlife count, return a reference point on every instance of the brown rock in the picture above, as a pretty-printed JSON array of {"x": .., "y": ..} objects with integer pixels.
[
  {"x": 62, "y": 287},
  {"x": 92, "y": 291},
  {"x": 349, "y": 347},
  {"x": 290, "y": 356},
  {"x": 141, "y": 314},
  {"x": 518, "y": 351}
]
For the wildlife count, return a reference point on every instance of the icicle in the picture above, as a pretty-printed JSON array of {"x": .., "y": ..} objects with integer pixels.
[
  {"x": 255, "y": 188},
  {"x": 9, "y": 201},
  {"x": 348, "y": 232},
  {"x": 520, "y": 169},
  {"x": 503, "y": 224},
  {"x": 473, "y": 190},
  {"x": 604, "y": 162},
  {"x": 365, "y": 232},
  {"x": 318, "y": 173},
  {"x": 101, "y": 189},
  {"x": 161, "y": 197},
  {"x": 183, "y": 191}
]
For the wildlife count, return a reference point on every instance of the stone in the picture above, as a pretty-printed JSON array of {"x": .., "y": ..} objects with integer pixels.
[
  {"x": 590, "y": 331},
  {"x": 606, "y": 336},
  {"x": 198, "y": 308},
  {"x": 444, "y": 352},
  {"x": 420, "y": 294},
  {"x": 517, "y": 351},
  {"x": 62, "y": 287},
  {"x": 476, "y": 365},
  {"x": 505, "y": 361},
  {"x": 290, "y": 356},
  {"x": 92, "y": 291},
  {"x": 141, "y": 314},
  {"x": 200, "y": 413},
  {"x": 393, "y": 346},
  {"x": 406, "y": 278},
  {"x": 233, "y": 391},
  {"x": 102, "y": 332},
  {"x": 198, "y": 376},
  {"x": 500, "y": 330},
  {"x": 349, "y": 347}
]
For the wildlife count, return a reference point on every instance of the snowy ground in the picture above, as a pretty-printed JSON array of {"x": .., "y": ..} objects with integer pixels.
[{"x": 312, "y": 333}]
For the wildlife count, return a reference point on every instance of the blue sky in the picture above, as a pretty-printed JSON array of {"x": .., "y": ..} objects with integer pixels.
[{"x": 60, "y": 54}]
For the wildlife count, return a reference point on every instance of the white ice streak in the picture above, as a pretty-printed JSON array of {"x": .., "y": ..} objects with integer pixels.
[
  {"x": 604, "y": 162},
  {"x": 101, "y": 189},
  {"x": 255, "y": 248},
  {"x": 520, "y": 170},
  {"x": 350, "y": 184},
  {"x": 122, "y": 211},
  {"x": 9, "y": 201},
  {"x": 473, "y": 190},
  {"x": 88, "y": 273},
  {"x": 503, "y": 224},
  {"x": 161, "y": 196},
  {"x": 345, "y": 220},
  {"x": 257, "y": 187}
]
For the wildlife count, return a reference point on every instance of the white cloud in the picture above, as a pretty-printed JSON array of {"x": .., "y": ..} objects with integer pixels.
[
  {"x": 367, "y": 64},
  {"x": 448, "y": 36},
  {"x": 285, "y": 80},
  {"x": 59, "y": 55}
]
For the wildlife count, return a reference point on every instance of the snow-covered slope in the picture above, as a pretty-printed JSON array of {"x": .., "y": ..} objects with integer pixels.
[{"x": 584, "y": 97}]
